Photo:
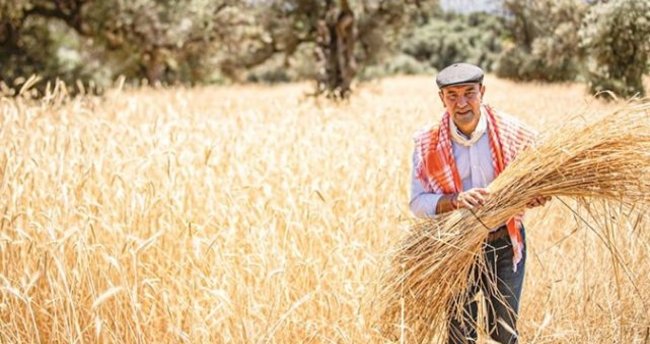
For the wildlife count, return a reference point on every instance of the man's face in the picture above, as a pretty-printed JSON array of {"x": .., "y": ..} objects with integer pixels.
[{"x": 463, "y": 102}]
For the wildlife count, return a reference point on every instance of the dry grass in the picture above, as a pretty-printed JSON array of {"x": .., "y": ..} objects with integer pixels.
[{"x": 244, "y": 215}]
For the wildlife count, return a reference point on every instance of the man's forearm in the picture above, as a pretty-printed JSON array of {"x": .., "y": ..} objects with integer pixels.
[{"x": 446, "y": 203}]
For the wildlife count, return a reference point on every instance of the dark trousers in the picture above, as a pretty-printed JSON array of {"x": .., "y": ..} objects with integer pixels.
[{"x": 501, "y": 310}]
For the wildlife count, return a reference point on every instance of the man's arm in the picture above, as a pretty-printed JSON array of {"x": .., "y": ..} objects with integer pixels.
[
  {"x": 446, "y": 203},
  {"x": 472, "y": 198},
  {"x": 422, "y": 204},
  {"x": 427, "y": 205}
]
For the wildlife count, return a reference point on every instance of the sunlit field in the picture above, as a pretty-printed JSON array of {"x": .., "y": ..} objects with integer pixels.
[{"x": 255, "y": 214}]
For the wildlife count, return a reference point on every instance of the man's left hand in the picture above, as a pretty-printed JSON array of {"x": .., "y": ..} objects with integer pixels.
[{"x": 538, "y": 201}]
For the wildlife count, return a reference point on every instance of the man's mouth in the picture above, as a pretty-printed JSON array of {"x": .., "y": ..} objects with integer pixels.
[{"x": 464, "y": 113}]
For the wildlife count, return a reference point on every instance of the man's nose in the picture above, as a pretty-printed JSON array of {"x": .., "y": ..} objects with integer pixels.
[{"x": 462, "y": 101}]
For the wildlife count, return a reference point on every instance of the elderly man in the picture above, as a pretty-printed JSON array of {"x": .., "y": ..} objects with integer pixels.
[{"x": 453, "y": 163}]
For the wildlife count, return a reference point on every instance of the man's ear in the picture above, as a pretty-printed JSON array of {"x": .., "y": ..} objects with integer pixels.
[
  {"x": 442, "y": 98},
  {"x": 482, "y": 90}
]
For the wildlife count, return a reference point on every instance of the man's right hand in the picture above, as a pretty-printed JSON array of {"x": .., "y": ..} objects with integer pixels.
[{"x": 472, "y": 198}]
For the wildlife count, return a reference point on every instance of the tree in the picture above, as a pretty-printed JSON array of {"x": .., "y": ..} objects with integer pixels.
[
  {"x": 449, "y": 38},
  {"x": 190, "y": 41},
  {"x": 344, "y": 34},
  {"x": 616, "y": 35},
  {"x": 335, "y": 40},
  {"x": 543, "y": 40},
  {"x": 159, "y": 40}
]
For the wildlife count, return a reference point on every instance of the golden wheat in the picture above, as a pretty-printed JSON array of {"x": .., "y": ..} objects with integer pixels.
[{"x": 246, "y": 215}]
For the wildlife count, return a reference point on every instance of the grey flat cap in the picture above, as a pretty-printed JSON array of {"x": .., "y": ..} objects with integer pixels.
[{"x": 459, "y": 73}]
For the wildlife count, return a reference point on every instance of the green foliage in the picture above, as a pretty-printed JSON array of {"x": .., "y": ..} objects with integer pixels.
[
  {"x": 616, "y": 35},
  {"x": 192, "y": 41},
  {"x": 451, "y": 38},
  {"x": 607, "y": 43},
  {"x": 36, "y": 47},
  {"x": 201, "y": 41},
  {"x": 283, "y": 68},
  {"x": 543, "y": 40},
  {"x": 401, "y": 64},
  {"x": 381, "y": 24},
  {"x": 271, "y": 71},
  {"x": 159, "y": 41}
]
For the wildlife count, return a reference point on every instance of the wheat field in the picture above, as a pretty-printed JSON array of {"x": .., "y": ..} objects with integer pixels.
[{"x": 254, "y": 214}]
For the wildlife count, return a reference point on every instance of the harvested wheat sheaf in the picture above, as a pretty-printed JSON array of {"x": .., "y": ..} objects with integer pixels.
[{"x": 605, "y": 158}]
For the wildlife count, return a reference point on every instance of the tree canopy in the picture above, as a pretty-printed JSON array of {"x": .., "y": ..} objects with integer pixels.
[{"x": 330, "y": 41}]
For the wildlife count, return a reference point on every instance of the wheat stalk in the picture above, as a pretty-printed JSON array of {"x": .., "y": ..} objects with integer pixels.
[{"x": 603, "y": 158}]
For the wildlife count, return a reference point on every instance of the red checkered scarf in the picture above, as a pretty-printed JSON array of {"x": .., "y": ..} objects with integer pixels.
[{"x": 437, "y": 168}]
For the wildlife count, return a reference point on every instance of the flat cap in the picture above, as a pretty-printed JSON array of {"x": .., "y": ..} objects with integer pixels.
[{"x": 459, "y": 73}]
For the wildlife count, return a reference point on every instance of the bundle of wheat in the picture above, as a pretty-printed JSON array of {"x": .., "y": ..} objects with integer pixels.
[{"x": 606, "y": 157}]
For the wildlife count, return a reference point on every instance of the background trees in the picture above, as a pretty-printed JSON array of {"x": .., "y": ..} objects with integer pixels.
[
  {"x": 543, "y": 42},
  {"x": 330, "y": 41},
  {"x": 154, "y": 40},
  {"x": 616, "y": 36}
]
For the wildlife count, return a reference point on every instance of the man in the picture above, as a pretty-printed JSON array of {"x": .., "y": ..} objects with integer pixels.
[{"x": 453, "y": 163}]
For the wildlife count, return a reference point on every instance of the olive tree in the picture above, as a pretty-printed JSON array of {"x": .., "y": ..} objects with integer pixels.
[{"x": 616, "y": 36}]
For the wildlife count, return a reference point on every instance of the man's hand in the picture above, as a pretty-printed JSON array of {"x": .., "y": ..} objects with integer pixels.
[
  {"x": 472, "y": 198},
  {"x": 538, "y": 201}
]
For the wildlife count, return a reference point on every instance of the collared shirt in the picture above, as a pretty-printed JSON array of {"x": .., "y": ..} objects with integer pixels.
[{"x": 475, "y": 169}]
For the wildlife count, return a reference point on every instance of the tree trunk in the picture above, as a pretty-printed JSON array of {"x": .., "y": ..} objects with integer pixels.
[
  {"x": 154, "y": 66},
  {"x": 335, "y": 51}
]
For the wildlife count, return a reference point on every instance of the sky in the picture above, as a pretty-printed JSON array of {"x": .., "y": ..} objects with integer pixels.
[{"x": 465, "y": 6}]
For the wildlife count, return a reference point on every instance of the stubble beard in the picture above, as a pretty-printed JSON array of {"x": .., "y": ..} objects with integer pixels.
[{"x": 466, "y": 121}]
